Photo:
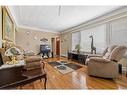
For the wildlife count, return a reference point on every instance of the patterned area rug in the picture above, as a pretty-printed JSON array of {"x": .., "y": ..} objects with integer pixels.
[{"x": 64, "y": 67}]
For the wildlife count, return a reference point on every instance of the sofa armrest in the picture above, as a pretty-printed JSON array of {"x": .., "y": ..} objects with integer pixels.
[
  {"x": 33, "y": 58},
  {"x": 97, "y": 59}
]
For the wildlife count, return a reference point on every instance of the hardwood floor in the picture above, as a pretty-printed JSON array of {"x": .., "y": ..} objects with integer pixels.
[{"x": 77, "y": 79}]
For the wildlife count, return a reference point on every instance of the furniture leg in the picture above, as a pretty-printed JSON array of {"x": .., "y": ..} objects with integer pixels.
[
  {"x": 40, "y": 80},
  {"x": 20, "y": 87},
  {"x": 33, "y": 85},
  {"x": 43, "y": 64},
  {"x": 126, "y": 70},
  {"x": 45, "y": 82}
]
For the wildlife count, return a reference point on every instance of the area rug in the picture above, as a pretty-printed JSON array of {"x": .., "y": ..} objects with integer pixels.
[
  {"x": 73, "y": 66},
  {"x": 54, "y": 63},
  {"x": 64, "y": 67}
]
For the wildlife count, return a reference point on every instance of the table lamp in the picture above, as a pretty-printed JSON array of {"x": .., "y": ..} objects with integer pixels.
[{"x": 13, "y": 52}]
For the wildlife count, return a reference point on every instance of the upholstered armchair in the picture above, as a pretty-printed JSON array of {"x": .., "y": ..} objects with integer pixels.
[
  {"x": 33, "y": 61},
  {"x": 106, "y": 66}
]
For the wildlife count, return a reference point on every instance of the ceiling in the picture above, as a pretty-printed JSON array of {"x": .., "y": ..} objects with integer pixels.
[{"x": 48, "y": 18}]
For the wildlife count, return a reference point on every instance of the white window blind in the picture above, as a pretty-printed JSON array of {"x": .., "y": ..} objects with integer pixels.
[
  {"x": 119, "y": 32},
  {"x": 99, "y": 36},
  {"x": 75, "y": 39}
]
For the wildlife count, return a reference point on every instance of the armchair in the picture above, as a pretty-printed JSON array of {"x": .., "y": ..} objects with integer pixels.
[
  {"x": 106, "y": 66},
  {"x": 32, "y": 61}
]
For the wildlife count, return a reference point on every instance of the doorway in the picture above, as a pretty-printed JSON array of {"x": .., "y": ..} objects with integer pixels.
[
  {"x": 58, "y": 46},
  {"x": 53, "y": 46}
]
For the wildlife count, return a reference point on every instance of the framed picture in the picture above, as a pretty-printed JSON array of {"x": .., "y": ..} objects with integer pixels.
[{"x": 7, "y": 26}]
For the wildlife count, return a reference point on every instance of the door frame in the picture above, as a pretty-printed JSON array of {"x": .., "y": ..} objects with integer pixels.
[{"x": 58, "y": 39}]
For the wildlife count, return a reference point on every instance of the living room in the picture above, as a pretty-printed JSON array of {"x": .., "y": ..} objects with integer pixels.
[{"x": 63, "y": 47}]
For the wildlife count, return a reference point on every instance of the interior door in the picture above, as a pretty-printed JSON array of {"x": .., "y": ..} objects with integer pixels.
[
  {"x": 53, "y": 46},
  {"x": 58, "y": 46}
]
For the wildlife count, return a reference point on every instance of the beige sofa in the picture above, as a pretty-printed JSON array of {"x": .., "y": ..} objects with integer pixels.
[
  {"x": 106, "y": 66},
  {"x": 32, "y": 61}
]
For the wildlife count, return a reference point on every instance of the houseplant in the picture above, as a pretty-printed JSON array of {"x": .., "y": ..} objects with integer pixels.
[{"x": 77, "y": 47}]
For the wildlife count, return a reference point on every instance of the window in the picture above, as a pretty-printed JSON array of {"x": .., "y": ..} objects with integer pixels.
[
  {"x": 75, "y": 39},
  {"x": 119, "y": 32},
  {"x": 99, "y": 36}
]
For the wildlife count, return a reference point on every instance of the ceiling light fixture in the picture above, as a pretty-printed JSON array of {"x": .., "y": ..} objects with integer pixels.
[{"x": 59, "y": 11}]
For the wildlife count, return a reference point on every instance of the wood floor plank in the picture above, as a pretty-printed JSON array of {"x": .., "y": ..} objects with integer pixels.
[{"x": 77, "y": 79}]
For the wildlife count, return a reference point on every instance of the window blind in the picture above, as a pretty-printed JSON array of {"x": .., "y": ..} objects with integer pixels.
[
  {"x": 99, "y": 36},
  {"x": 75, "y": 39}
]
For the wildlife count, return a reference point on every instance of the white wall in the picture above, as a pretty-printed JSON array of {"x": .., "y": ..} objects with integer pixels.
[{"x": 0, "y": 28}]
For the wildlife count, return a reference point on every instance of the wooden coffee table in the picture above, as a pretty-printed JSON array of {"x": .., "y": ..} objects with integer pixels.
[
  {"x": 36, "y": 74},
  {"x": 14, "y": 77}
]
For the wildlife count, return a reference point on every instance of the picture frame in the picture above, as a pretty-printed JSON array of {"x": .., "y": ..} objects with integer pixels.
[{"x": 7, "y": 26}]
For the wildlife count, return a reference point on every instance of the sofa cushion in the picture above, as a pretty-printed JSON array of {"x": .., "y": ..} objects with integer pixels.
[
  {"x": 29, "y": 54},
  {"x": 20, "y": 57},
  {"x": 109, "y": 50},
  {"x": 32, "y": 65},
  {"x": 33, "y": 58}
]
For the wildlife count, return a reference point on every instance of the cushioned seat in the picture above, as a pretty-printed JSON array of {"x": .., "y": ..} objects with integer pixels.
[
  {"x": 33, "y": 62},
  {"x": 106, "y": 66},
  {"x": 32, "y": 65},
  {"x": 33, "y": 58}
]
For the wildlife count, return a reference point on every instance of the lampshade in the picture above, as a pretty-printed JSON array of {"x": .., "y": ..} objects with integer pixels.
[{"x": 12, "y": 51}]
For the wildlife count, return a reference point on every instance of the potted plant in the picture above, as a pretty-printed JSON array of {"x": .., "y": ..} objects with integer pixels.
[{"x": 77, "y": 47}]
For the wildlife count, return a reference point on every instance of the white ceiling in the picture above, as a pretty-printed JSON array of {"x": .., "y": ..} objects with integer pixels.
[{"x": 47, "y": 18}]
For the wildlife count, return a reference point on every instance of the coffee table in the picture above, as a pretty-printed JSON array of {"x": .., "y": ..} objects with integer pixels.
[
  {"x": 14, "y": 77},
  {"x": 36, "y": 74}
]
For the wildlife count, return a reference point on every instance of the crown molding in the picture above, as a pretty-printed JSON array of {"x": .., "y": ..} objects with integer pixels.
[
  {"x": 36, "y": 29},
  {"x": 113, "y": 15}
]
